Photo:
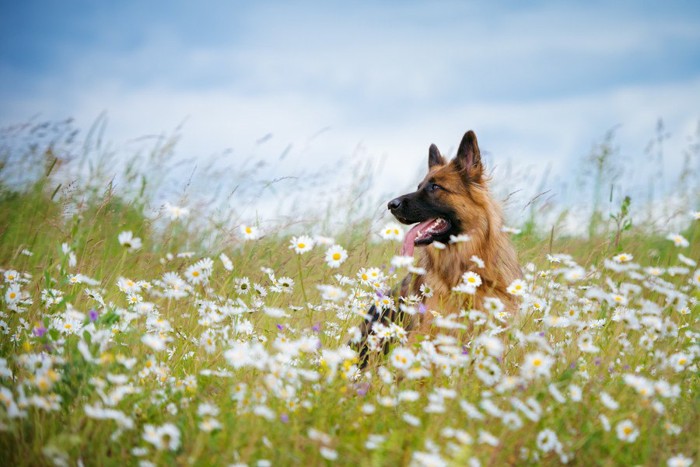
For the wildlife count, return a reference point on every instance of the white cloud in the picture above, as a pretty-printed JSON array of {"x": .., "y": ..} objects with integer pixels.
[{"x": 539, "y": 85}]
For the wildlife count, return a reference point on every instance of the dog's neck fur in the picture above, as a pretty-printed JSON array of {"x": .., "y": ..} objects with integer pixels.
[{"x": 487, "y": 242}]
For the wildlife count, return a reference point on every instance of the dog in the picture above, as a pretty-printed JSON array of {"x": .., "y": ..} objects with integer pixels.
[{"x": 452, "y": 205}]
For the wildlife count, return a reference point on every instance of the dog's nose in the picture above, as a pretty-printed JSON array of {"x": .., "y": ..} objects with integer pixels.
[{"x": 394, "y": 204}]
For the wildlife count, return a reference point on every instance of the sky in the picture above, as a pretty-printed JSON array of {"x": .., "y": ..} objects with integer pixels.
[{"x": 296, "y": 97}]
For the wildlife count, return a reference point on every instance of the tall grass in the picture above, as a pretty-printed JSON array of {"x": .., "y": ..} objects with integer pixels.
[{"x": 108, "y": 357}]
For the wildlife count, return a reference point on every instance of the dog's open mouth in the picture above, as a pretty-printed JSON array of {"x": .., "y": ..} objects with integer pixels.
[{"x": 424, "y": 233}]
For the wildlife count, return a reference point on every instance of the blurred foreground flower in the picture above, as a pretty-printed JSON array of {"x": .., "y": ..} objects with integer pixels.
[
  {"x": 163, "y": 437},
  {"x": 128, "y": 240},
  {"x": 176, "y": 212},
  {"x": 392, "y": 231},
  {"x": 678, "y": 240}
]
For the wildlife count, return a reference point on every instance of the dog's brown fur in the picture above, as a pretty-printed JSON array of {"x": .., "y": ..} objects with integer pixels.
[
  {"x": 461, "y": 195},
  {"x": 483, "y": 222}
]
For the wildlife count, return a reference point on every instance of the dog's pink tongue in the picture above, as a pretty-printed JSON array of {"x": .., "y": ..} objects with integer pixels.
[{"x": 410, "y": 238}]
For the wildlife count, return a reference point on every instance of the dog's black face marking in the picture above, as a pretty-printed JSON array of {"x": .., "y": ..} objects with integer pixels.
[{"x": 422, "y": 205}]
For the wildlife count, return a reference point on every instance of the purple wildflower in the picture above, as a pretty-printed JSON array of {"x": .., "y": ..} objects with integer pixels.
[{"x": 362, "y": 389}]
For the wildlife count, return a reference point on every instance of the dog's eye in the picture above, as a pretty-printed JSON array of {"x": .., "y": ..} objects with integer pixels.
[{"x": 433, "y": 186}]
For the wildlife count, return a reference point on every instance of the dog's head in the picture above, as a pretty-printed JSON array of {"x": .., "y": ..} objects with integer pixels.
[{"x": 448, "y": 199}]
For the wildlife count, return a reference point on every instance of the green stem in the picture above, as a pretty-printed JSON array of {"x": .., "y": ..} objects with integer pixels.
[{"x": 301, "y": 282}]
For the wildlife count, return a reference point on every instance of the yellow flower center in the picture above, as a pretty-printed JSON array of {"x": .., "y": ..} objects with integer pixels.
[
  {"x": 195, "y": 273},
  {"x": 301, "y": 245},
  {"x": 336, "y": 256},
  {"x": 627, "y": 430},
  {"x": 537, "y": 362},
  {"x": 43, "y": 384},
  {"x": 248, "y": 230}
]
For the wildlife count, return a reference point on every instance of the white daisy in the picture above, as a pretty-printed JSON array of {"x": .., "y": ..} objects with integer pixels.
[
  {"x": 680, "y": 460},
  {"x": 623, "y": 258},
  {"x": 626, "y": 431},
  {"x": 162, "y": 437},
  {"x": 547, "y": 440},
  {"x": 228, "y": 265},
  {"x": 301, "y": 244},
  {"x": 176, "y": 212},
  {"x": 536, "y": 364},
  {"x": 335, "y": 256},
  {"x": 517, "y": 287},
  {"x": 392, "y": 231},
  {"x": 678, "y": 240},
  {"x": 471, "y": 278},
  {"x": 402, "y": 358},
  {"x": 128, "y": 240},
  {"x": 249, "y": 232}
]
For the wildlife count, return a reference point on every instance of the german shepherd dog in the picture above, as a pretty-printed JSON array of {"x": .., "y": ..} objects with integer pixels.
[{"x": 452, "y": 205}]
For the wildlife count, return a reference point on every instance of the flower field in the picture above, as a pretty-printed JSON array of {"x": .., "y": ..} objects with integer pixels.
[{"x": 127, "y": 343}]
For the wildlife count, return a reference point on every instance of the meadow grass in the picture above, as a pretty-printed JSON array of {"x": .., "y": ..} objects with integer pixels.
[{"x": 153, "y": 348}]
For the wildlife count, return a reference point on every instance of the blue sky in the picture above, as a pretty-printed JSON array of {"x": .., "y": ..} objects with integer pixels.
[{"x": 540, "y": 82}]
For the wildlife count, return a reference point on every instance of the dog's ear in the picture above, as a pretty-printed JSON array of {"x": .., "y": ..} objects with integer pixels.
[
  {"x": 434, "y": 157},
  {"x": 468, "y": 158}
]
